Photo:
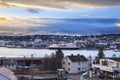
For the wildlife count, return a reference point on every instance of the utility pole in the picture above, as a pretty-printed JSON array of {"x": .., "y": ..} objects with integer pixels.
[
  {"x": 32, "y": 66},
  {"x": 113, "y": 75},
  {"x": 5, "y": 61},
  {"x": 24, "y": 62}
]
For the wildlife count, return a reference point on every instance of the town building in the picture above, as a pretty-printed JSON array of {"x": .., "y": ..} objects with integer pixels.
[
  {"x": 21, "y": 63},
  {"x": 26, "y": 63},
  {"x": 75, "y": 63},
  {"x": 109, "y": 66},
  {"x": 9, "y": 63}
]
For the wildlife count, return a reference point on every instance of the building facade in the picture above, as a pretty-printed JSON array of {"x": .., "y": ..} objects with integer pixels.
[
  {"x": 110, "y": 66},
  {"x": 75, "y": 63},
  {"x": 21, "y": 63}
]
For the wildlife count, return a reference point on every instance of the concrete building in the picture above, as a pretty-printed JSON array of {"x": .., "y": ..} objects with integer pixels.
[
  {"x": 75, "y": 63},
  {"x": 110, "y": 66}
]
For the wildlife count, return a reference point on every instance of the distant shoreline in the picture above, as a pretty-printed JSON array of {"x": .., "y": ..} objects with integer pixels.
[{"x": 50, "y": 49}]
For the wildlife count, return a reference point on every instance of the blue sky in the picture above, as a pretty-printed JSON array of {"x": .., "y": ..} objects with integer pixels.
[{"x": 26, "y": 16}]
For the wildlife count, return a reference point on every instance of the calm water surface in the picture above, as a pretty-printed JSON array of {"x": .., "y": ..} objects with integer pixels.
[{"x": 15, "y": 52}]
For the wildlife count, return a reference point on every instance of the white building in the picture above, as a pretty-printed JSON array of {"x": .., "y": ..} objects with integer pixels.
[
  {"x": 37, "y": 42},
  {"x": 75, "y": 63}
]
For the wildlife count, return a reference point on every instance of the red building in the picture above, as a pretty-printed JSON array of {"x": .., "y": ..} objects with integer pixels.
[{"x": 27, "y": 63}]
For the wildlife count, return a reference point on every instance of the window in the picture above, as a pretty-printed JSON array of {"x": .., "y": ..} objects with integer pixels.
[
  {"x": 63, "y": 62},
  {"x": 68, "y": 63},
  {"x": 68, "y": 69},
  {"x": 82, "y": 67},
  {"x": 78, "y": 68},
  {"x": 117, "y": 65},
  {"x": 104, "y": 63},
  {"x": 63, "y": 68},
  {"x": 78, "y": 63}
]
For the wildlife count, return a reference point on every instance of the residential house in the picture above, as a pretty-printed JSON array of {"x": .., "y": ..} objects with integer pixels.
[
  {"x": 9, "y": 63},
  {"x": 75, "y": 63},
  {"x": 20, "y": 63}
]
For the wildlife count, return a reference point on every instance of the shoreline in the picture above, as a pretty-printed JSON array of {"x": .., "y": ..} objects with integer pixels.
[{"x": 56, "y": 49}]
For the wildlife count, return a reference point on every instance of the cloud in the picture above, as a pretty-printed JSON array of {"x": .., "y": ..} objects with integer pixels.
[
  {"x": 49, "y": 4},
  {"x": 24, "y": 25},
  {"x": 2, "y": 19},
  {"x": 59, "y": 4},
  {"x": 93, "y": 3},
  {"x": 118, "y": 24},
  {"x": 3, "y": 4},
  {"x": 14, "y": 24},
  {"x": 15, "y": 21},
  {"x": 32, "y": 10}
]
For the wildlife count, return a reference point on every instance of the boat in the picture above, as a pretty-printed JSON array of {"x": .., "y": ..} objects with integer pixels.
[{"x": 65, "y": 46}]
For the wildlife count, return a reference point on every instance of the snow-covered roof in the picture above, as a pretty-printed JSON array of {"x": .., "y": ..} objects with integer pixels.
[
  {"x": 2, "y": 77},
  {"x": 6, "y": 73}
]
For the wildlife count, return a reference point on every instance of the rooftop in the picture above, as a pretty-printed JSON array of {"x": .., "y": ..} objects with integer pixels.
[
  {"x": 115, "y": 59},
  {"x": 77, "y": 58}
]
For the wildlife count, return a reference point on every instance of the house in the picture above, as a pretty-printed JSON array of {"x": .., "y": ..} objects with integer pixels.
[
  {"x": 75, "y": 63},
  {"x": 25, "y": 63},
  {"x": 9, "y": 63},
  {"x": 20, "y": 63},
  {"x": 110, "y": 66}
]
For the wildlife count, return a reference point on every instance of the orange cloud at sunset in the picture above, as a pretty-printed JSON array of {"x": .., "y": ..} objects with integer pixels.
[
  {"x": 59, "y": 4},
  {"x": 2, "y": 19}
]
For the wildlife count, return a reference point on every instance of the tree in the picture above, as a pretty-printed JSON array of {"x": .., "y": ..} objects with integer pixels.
[
  {"x": 59, "y": 56},
  {"x": 90, "y": 60},
  {"x": 53, "y": 62},
  {"x": 96, "y": 61},
  {"x": 46, "y": 62},
  {"x": 114, "y": 55},
  {"x": 100, "y": 55}
]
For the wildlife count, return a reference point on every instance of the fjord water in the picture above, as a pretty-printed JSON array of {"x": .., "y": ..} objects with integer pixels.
[{"x": 18, "y": 52}]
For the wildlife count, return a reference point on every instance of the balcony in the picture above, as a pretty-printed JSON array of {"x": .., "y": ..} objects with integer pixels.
[{"x": 106, "y": 68}]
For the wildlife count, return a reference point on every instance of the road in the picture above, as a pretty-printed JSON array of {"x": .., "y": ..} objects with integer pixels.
[{"x": 69, "y": 76}]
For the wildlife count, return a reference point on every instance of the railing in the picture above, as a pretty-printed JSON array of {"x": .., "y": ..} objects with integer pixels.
[{"x": 106, "y": 68}]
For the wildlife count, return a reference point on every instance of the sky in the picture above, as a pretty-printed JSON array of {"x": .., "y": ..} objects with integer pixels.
[{"x": 59, "y": 16}]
